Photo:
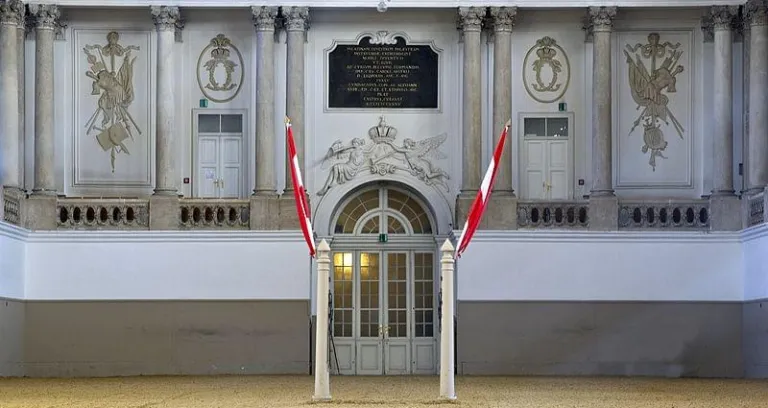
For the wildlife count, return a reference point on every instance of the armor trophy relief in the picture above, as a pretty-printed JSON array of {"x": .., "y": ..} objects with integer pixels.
[{"x": 383, "y": 156}]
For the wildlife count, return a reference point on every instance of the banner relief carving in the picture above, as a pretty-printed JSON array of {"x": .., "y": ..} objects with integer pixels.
[
  {"x": 383, "y": 157},
  {"x": 111, "y": 69},
  {"x": 650, "y": 90}
]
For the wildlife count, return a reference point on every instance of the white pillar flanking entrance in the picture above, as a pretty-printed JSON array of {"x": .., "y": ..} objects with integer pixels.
[
  {"x": 11, "y": 17},
  {"x": 264, "y": 23},
  {"x": 322, "y": 374},
  {"x": 757, "y": 14},
  {"x": 46, "y": 16},
  {"x": 165, "y": 19},
  {"x": 447, "y": 344},
  {"x": 296, "y": 26}
]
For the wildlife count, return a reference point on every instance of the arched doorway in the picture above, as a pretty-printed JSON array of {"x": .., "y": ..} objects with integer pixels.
[{"x": 384, "y": 284}]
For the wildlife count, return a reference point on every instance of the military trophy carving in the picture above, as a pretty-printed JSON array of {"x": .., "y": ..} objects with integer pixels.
[
  {"x": 649, "y": 89},
  {"x": 111, "y": 69},
  {"x": 382, "y": 156}
]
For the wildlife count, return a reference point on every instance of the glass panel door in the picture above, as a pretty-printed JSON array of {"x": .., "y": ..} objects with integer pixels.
[
  {"x": 369, "y": 329},
  {"x": 397, "y": 356}
]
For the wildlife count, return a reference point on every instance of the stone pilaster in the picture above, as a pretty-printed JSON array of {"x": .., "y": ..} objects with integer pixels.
[
  {"x": 603, "y": 204},
  {"x": 166, "y": 21},
  {"x": 264, "y": 22},
  {"x": 501, "y": 212},
  {"x": 296, "y": 26},
  {"x": 757, "y": 15},
  {"x": 11, "y": 17},
  {"x": 470, "y": 21},
  {"x": 45, "y": 17}
]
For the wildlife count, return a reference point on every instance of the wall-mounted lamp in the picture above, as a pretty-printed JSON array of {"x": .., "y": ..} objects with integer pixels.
[{"x": 382, "y": 7}]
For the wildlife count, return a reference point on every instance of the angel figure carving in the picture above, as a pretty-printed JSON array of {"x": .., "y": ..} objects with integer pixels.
[
  {"x": 648, "y": 91},
  {"x": 111, "y": 69},
  {"x": 348, "y": 162},
  {"x": 416, "y": 154}
]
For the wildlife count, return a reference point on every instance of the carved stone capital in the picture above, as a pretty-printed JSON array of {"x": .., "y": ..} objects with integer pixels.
[
  {"x": 45, "y": 16},
  {"x": 470, "y": 18},
  {"x": 12, "y": 12},
  {"x": 756, "y": 12},
  {"x": 264, "y": 18},
  {"x": 601, "y": 18},
  {"x": 166, "y": 18},
  {"x": 296, "y": 18},
  {"x": 503, "y": 18},
  {"x": 722, "y": 17},
  {"x": 707, "y": 30}
]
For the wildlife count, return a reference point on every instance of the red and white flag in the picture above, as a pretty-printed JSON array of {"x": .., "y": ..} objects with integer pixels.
[
  {"x": 483, "y": 195},
  {"x": 299, "y": 193}
]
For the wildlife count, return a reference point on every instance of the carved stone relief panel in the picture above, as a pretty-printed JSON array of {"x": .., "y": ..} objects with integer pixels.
[
  {"x": 655, "y": 108},
  {"x": 112, "y": 108},
  {"x": 220, "y": 70},
  {"x": 546, "y": 71},
  {"x": 383, "y": 156}
]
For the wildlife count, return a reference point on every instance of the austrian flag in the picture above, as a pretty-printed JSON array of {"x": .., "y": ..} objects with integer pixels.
[
  {"x": 300, "y": 195},
  {"x": 481, "y": 200}
]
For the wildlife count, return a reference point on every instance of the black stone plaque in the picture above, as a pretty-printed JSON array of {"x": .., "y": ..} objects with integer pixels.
[{"x": 383, "y": 76}]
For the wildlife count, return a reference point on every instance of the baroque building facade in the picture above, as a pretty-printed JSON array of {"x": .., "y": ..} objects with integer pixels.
[{"x": 144, "y": 146}]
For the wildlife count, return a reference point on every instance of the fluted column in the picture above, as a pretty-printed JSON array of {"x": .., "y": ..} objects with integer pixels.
[
  {"x": 503, "y": 21},
  {"x": 601, "y": 19},
  {"x": 264, "y": 22},
  {"x": 470, "y": 24},
  {"x": 296, "y": 25},
  {"x": 758, "y": 95},
  {"x": 45, "y": 16},
  {"x": 11, "y": 15},
  {"x": 165, "y": 19}
]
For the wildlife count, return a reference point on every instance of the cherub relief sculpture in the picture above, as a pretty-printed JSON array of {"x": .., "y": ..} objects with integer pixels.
[
  {"x": 111, "y": 69},
  {"x": 648, "y": 91},
  {"x": 383, "y": 157}
]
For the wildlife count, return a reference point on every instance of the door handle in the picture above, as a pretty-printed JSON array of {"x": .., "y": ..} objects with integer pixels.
[{"x": 216, "y": 182}]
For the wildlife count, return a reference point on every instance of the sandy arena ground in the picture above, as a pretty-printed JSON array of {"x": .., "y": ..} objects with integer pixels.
[{"x": 380, "y": 392}]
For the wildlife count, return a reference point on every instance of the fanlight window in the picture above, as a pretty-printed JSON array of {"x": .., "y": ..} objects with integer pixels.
[{"x": 383, "y": 211}]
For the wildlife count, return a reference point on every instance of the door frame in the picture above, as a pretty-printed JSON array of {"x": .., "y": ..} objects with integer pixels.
[
  {"x": 523, "y": 156},
  {"x": 245, "y": 146},
  {"x": 418, "y": 246}
]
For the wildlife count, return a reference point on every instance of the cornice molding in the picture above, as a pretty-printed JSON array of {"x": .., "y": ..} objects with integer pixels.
[{"x": 587, "y": 237}]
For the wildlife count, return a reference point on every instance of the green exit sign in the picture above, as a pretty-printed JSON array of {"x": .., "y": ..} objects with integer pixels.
[
  {"x": 383, "y": 238},
  {"x": 562, "y": 106},
  {"x": 203, "y": 103}
]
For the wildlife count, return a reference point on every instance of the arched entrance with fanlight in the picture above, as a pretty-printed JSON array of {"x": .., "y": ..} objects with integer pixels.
[{"x": 384, "y": 283}]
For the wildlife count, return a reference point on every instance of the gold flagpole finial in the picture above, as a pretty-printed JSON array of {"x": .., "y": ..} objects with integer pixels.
[
  {"x": 287, "y": 120},
  {"x": 509, "y": 123}
]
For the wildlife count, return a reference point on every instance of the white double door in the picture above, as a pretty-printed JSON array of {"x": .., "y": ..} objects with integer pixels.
[
  {"x": 546, "y": 169},
  {"x": 384, "y": 320},
  {"x": 220, "y": 166}
]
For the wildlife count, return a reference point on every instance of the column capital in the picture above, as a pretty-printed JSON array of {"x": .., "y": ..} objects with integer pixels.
[
  {"x": 166, "y": 18},
  {"x": 264, "y": 17},
  {"x": 723, "y": 17},
  {"x": 503, "y": 18},
  {"x": 45, "y": 16},
  {"x": 12, "y": 12},
  {"x": 296, "y": 18},
  {"x": 601, "y": 18},
  {"x": 470, "y": 18},
  {"x": 756, "y": 12}
]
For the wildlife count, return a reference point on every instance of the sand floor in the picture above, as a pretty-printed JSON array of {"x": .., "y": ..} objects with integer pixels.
[{"x": 296, "y": 391}]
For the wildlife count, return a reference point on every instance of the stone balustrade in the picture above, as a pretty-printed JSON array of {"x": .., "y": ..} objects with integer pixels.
[
  {"x": 12, "y": 202},
  {"x": 198, "y": 213},
  {"x": 667, "y": 214},
  {"x": 756, "y": 210},
  {"x": 554, "y": 215},
  {"x": 102, "y": 213}
]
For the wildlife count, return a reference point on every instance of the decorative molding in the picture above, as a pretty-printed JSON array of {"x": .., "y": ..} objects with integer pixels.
[
  {"x": 536, "y": 85},
  {"x": 12, "y": 12},
  {"x": 264, "y": 18},
  {"x": 580, "y": 236},
  {"x": 383, "y": 157},
  {"x": 220, "y": 50},
  {"x": 296, "y": 18},
  {"x": 45, "y": 16},
  {"x": 13, "y": 232},
  {"x": 470, "y": 18},
  {"x": 601, "y": 18},
  {"x": 180, "y": 236},
  {"x": 723, "y": 17},
  {"x": 368, "y": 4},
  {"x": 755, "y": 232}
]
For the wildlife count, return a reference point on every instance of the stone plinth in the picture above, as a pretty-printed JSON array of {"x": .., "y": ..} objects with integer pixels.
[
  {"x": 603, "y": 213},
  {"x": 264, "y": 214},
  {"x": 163, "y": 212}
]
